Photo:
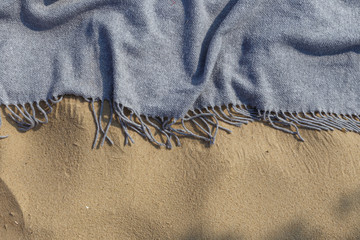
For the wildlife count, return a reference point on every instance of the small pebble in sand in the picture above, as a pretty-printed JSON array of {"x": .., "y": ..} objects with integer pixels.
[
  {"x": 87, "y": 207},
  {"x": 11, "y": 214},
  {"x": 16, "y": 222}
]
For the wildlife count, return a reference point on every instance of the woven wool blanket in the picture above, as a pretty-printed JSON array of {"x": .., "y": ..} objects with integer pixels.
[{"x": 161, "y": 63}]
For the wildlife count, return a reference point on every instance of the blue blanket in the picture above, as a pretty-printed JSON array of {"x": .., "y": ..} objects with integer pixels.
[{"x": 291, "y": 63}]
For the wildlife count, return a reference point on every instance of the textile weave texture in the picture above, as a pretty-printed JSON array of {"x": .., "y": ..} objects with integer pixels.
[{"x": 291, "y": 63}]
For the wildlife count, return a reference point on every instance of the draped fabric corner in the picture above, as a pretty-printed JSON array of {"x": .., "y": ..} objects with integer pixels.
[{"x": 163, "y": 63}]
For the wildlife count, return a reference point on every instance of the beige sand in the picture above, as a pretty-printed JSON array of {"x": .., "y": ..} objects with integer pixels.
[{"x": 256, "y": 183}]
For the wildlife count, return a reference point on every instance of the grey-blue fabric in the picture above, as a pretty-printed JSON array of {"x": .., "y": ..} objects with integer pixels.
[{"x": 166, "y": 57}]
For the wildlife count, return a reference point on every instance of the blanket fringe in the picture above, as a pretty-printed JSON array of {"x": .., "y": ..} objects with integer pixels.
[
  {"x": 26, "y": 116},
  {"x": 203, "y": 124}
]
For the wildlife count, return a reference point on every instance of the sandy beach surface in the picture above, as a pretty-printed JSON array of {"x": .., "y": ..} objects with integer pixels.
[{"x": 256, "y": 183}]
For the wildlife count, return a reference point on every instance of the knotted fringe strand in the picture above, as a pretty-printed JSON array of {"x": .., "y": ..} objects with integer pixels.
[
  {"x": 29, "y": 115},
  {"x": 203, "y": 124}
]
